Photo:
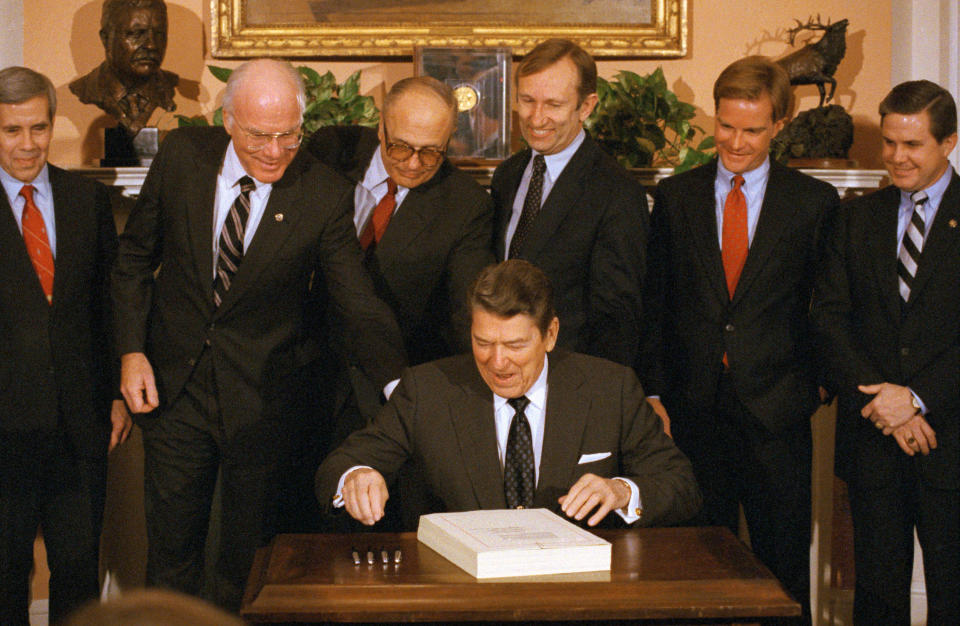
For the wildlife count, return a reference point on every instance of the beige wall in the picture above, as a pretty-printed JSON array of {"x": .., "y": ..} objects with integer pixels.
[{"x": 64, "y": 44}]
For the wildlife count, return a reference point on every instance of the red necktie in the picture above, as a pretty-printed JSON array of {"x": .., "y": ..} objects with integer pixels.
[
  {"x": 37, "y": 242},
  {"x": 735, "y": 243},
  {"x": 381, "y": 216}
]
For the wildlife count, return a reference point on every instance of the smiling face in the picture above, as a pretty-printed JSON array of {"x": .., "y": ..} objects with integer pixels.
[
  {"x": 509, "y": 351},
  {"x": 25, "y": 132},
  {"x": 265, "y": 103},
  {"x": 137, "y": 42},
  {"x": 911, "y": 154},
  {"x": 743, "y": 132},
  {"x": 548, "y": 108}
]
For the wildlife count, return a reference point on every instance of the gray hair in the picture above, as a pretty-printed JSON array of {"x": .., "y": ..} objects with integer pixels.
[
  {"x": 19, "y": 84},
  {"x": 422, "y": 84},
  {"x": 240, "y": 74}
]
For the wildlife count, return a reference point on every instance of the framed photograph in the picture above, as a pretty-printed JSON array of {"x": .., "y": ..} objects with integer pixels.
[
  {"x": 480, "y": 80},
  {"x": 387, "y": 28}
]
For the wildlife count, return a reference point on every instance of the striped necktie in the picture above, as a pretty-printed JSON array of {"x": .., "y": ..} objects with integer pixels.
[
  {"x": 37, "y": 242},
  {"x": 912, "y": 246},
  {"x": 231, "y": 240}
]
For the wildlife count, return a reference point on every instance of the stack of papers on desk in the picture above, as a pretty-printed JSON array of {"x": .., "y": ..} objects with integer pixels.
[{"x": 513, "y": 542}]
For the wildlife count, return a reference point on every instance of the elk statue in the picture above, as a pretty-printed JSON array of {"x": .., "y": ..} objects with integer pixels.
[{"x": 815, "y": 63}]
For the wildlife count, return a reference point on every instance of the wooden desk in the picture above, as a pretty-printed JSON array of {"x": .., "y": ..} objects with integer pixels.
[{"x": 657, "y": 574}]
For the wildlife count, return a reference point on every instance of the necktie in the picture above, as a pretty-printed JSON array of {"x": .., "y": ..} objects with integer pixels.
[
  {"x": 37, "y": 242},
  {"x": 734, "y": 241},
  {"x": 531, "y": 205},
  {"x": 231, "y": 240},
  {"x": 382, "y": 213},
  {"x": 519, "y": 474},
  {"x": 912, "y": 246}
]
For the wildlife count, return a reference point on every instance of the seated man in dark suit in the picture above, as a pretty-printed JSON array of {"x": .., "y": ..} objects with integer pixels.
[
  {"x": 568, "y": 207},
  {"x": 512, "y": 427}
]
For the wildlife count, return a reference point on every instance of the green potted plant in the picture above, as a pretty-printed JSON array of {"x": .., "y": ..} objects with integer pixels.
[
  {"x": 328, "y": 103},
  {"x": 644, "y": 124}
]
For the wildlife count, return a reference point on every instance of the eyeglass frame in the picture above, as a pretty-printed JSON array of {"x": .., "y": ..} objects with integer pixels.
[
  {"x": 442, "y": 152},
  {"x": 256, "y": 134}
]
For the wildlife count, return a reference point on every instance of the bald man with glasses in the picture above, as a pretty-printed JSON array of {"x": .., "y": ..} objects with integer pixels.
[{"x": 214, "y": 296}]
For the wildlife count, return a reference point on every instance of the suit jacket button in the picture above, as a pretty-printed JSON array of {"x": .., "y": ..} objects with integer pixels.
[
  {"x": 191, "y": 362},
  {"x": 728, "y": 328},
  {"x": 206, "y": 341},
  {"x": 904, "y": 351}
]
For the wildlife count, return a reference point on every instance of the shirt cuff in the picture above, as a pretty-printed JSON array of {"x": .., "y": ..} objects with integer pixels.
[
  {"x": 389, "y": 387},
  {"x": 338, "y": 497},
  {"x": 634, "y": 508},
  {"x": 923, "y": 407}
]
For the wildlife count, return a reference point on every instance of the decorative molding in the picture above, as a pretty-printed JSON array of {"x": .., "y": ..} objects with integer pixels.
[{"x": 232, "y": 36}]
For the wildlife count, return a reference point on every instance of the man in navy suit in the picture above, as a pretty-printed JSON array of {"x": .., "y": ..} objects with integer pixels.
[
  {"x": 568, "y": 207},
  {"x": 58, "y": 416},
  {"x": 735, "y": 246},
  {"x": 887, "y": 307}
]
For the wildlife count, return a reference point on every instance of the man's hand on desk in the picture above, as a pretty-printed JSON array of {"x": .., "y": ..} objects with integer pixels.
[
  {"x": 589, "y": 492},
  {"x": 137, "y": 383},
  {"x": 364, "y": 495}
]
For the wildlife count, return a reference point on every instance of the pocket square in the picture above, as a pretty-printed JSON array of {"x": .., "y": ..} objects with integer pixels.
[{"x": 590, "y": 458}]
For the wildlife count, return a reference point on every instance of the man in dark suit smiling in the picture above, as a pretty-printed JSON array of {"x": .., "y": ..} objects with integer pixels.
[
  {"x": 569, "y": 208},
  {"x": 517, "y": 424},
  {"x": 728, "y": 353},
  {"x": 238, "y": 223}
]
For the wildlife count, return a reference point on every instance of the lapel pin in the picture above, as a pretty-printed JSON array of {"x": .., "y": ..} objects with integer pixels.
[
  {"x": 278, "y": 217},
  {"x": 953, "y": 223}
]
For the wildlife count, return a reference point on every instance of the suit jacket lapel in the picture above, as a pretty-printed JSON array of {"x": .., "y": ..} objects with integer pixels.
[
  {"x": 200, "y": 214},
  {"x": 280, "y": 217},
  {"x": 563, "y": 196},
  {"x": 941, "y": 240},
  {"x": 65, "y": 217},
  {"x": 473, "y": 421},
  {"x": 699, "y": 211},
  {"x": 511, "y": 180},
  {"x": 563, "y": 431},
  {"x": 14, "y": 259},
  {"x": 883, "y": 246},
  {"x": 414, "y": 215},
  {"x": 775, "y": 215}
]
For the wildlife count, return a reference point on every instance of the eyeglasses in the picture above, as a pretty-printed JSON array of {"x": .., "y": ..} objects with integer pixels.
[
  {"x": 287, "y": 140},
  {"x": 398, "y": 151}
]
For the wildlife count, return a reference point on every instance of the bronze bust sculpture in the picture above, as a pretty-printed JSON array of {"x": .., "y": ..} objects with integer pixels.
[{"x": 129, "y": 84}]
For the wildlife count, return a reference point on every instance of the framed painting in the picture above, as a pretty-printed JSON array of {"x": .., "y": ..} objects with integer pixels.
[{"x": 387, "y": 28}]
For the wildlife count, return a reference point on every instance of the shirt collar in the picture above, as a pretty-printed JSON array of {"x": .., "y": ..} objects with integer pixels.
[
  {"x": 751, "y": 179},
  {"x": 558, "y": 161},
  {"x": 934, "y": 192},
  {"x": 537, "y": 393},
  {"x": 376, "y": 173},
  {"x": 12, "y": 186}
]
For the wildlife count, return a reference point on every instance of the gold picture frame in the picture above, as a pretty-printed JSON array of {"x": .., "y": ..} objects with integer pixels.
[{"x": 381, "y": 28}]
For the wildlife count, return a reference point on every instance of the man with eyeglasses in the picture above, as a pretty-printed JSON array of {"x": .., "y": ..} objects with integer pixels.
[
  {"x": 213, "y": 295},
  {"x": 426, "y": 227}
]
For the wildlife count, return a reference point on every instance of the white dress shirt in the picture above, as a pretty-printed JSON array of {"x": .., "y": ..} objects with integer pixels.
[
  {"x": 371, "y": 190},
  {"x": 227, "y": 191}
]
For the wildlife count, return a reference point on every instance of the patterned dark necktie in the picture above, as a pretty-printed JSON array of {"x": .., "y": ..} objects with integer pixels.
[
  {"x": 231, "y": 240},
  {"x": 531, "y": 205},
  {"x": 519, "y": 474},
  {"x": 912, "y": 246}
]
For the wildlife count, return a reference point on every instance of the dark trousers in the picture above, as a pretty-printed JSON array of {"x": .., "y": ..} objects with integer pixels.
[
  {"x": 883, "y": 523},
  {"x": 737, "y": 461},
  {"x": 44, "y": 484},
  {"x": 185, "y": 448}
]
